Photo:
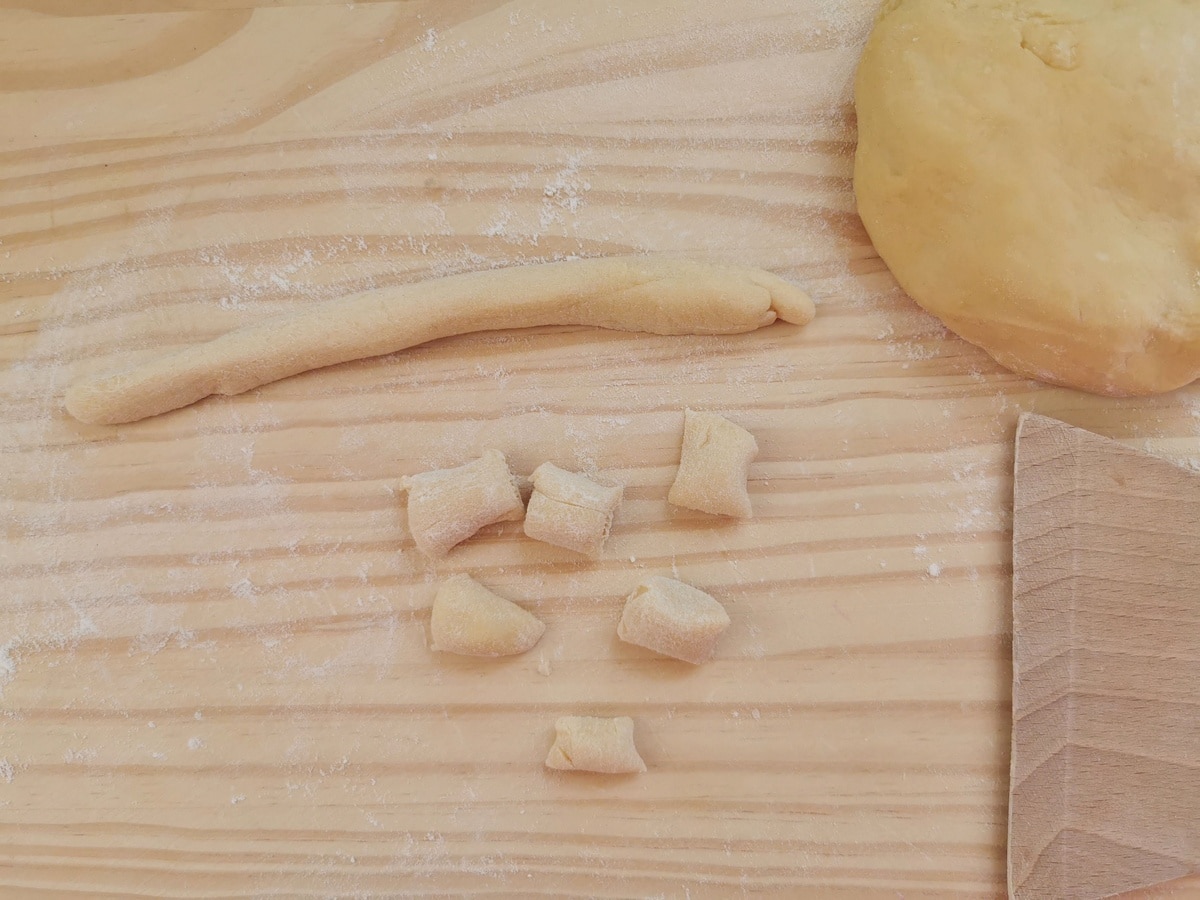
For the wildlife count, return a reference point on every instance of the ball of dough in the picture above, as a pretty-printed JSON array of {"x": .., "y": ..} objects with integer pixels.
[{"x": 1030, "y": 172}]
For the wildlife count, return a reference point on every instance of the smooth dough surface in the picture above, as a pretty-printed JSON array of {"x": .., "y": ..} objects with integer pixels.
[
  {"x": 660, "y": 296},
  {"x": 470, "y": 620},
  {"x": 1030, "y": 172},
  {"x": 591, "y": 744}
]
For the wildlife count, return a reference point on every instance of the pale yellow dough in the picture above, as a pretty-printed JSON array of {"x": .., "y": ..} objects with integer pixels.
[
  {"x": 661, "y": 296},
  {"x": 447, "y": 506},
  {"x": 590, "y": 744},
  {"x": 674, "y": 619},
  {"x": 470, "y": 620},
  {"x": 1030, "y": 172},
  {"x": 569, "y": 510},
  {"x": 713, "y": 466}
]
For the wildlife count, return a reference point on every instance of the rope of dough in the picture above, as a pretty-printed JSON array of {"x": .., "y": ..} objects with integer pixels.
[{"x": 625, "y": 293}]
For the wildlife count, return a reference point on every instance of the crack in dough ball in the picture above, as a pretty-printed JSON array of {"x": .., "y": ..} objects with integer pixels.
[{"x": 1030, "y": 172}]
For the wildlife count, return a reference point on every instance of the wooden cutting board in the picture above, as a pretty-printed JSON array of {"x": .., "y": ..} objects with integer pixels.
[
  {"x": 1105, "y": 791},
  {"x": 215, "y": 676}
]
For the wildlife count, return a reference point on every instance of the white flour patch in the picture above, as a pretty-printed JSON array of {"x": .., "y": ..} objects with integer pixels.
[
  {"x": 499, "y": 224},
  {"x": 244, "y": 589},
  {"x": 563, "y": 194},
  {"x": 8, "y": 663}
]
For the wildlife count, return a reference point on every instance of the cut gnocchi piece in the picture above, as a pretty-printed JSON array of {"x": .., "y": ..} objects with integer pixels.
[
  {"x": 447, "y": 506},
  {"x": 674, "y": 619},
  {"x": 470, "y": 620},
  {"x": 568, "y": 510},
  {"x": 713, "y": 466},
  {"x": 590, "y": 744}
]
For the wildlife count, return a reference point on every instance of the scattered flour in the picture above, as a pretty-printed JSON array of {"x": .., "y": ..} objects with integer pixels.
[
  {"x": 8, "y": 663},
  {"x": 563, "y": 194},
  {"x": 547, "y": 209},
  {"x": 244, "y": 589}
]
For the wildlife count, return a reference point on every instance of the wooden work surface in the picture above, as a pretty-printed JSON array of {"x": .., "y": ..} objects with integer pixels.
[{"x": 213, "y": 628}]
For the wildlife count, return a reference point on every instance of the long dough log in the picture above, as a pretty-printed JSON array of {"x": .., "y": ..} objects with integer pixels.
[{"x": 624, "y": 293}]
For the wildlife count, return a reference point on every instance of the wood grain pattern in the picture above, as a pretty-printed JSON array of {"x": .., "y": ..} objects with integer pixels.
[
  {"x": 216, "y": 680},
  {"x": 1105, "y": 791}
]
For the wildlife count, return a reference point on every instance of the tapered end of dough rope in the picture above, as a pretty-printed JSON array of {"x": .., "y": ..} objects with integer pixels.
[
  {"x": 790, "y": 303},
  {"x": 133, "y": 394},
  {"x": 85, "y": 401},
  {"x": 108, "y": 400}
]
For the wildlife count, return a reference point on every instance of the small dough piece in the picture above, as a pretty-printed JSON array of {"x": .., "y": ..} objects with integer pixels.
[
  {"x": 589, "y": 744},
  {"x": 470, "y": 620},
  {"x": 568, "y": 510},
  {"x": 628, "y": 293},
  {"x": 447, "y": 506},
  {"x": 713, "y": 466},
  {"x": 674, "y": 619}
]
